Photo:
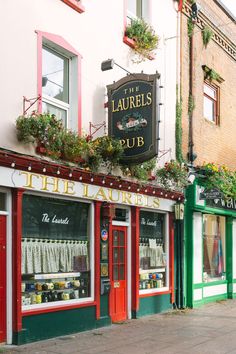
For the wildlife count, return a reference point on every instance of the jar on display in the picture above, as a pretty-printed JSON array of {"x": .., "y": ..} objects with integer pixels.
[{"x": 38, "y": 298}]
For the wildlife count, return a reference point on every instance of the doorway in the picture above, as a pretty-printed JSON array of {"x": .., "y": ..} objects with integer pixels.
[{"x": 118, "y": 294}]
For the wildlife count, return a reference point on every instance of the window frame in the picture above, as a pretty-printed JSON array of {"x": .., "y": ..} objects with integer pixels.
[
  {"x": 58, "y": 44},
  {"x": 216, "y": 101},
  {"x": 75, "y": 5}
]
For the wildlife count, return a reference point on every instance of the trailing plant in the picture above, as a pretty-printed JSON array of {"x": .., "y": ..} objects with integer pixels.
[
  {"x": 219, "y": 177},
  {"x": 191, "y": 104},
  {"x": 173, "y": 176},
  {"x": 207, "y": 34},
  {"x": 178, "y": 129},
  {"x": 142, "y": 172},
  {"x": 145, "y": 39},
  {"x": 210, "y": 74},
  {"x": 190, "y": 25}
]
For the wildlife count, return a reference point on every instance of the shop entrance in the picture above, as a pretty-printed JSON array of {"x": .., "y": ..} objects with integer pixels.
[
  {"x": 118, "y": 294},
  {"x": 2, "y": 278}
]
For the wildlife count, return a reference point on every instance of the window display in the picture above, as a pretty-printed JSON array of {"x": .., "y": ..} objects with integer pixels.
[
  {"x": 55, "y": 260},
  {"x": 213, "y": 248},
  {"x": 152, "y": 251}
]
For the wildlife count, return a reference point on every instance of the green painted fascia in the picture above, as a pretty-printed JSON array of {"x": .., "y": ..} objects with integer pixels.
[{"x": 229, "y": 254}]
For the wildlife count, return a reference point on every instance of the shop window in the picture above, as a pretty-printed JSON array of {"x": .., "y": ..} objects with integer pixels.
[
  {"x": 153, "y": 252},
  {"x": 59, "y": 79},
  {"x": 56, "y": 252},
  {"x": 211, "y": 103},
  {"x": 213, "y": 248}
]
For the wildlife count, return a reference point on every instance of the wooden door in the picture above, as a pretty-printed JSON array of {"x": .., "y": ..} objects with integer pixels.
[
  {"x": 118, "y": 294},
  {"x": 2, "y": 278}
]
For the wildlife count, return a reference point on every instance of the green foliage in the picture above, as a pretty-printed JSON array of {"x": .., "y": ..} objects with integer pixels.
[
  {"x": 190, "y": 27},
  {"x": 141, "y": 171},
  {"x": 211, "y": 74},
  {"x": 191, "y": 104},
  {"x": 178, "y": 130},
  {"x": 173, "y": 176},
  {"x": 48, "y": 133},
  {"x": 219, "y": 177},
  {"x": 144, "y": 37},
  {"x": 207, "y": 34}
]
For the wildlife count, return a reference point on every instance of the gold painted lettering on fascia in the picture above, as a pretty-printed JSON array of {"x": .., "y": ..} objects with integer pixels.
[
  {"x": 156, "y": 203},
  {"x": 138, "y": 200},
  {"x": 69, "y": 187},
  {"x": 101, "y": 195},
  {"x": 29, "y": 179},
  {"x": 126, "y": 197},
  {"x": 49, "y": 181},
  {"x": 86, "y": 191},
  {"x": 111, "y": 193}
]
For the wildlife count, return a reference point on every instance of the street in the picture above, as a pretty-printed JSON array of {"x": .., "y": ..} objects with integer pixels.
[{"x": 210, "y": 329}]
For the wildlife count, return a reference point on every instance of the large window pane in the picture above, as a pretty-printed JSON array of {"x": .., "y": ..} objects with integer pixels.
[
  {"x": 213, "y": 248},
  {"x": 60, "y": 113},
  {"x": 152, "y": 251},
  {"x": 209, "y": 109},
  {"x": 55, "y": 75},
  {"x": 55, "y": 251}
]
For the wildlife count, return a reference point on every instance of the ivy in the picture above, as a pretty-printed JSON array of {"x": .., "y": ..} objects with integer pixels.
[
  {"x": 190, "y": 27},
  {"x": 207, "y": 34},
  {"x": 178, "y": 129},
  {"x": 191, "y": 104}
]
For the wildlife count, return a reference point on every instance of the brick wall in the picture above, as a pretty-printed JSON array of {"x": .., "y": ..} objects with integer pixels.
[{"x": 212, "y": 143}]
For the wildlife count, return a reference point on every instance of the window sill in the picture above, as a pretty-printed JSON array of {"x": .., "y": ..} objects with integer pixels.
[
  {"x": 76, "y": 5},
  {"x": 131, "y": 43}
]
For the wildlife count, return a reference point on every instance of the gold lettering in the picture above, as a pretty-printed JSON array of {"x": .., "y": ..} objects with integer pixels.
[
  {"x": 149, "y": 98},
  {"x": 122, "y": 141},
  {"x": 69, "y": 187},
  {"x": 138, "y": 200},
  {"x": 29, "y": 179},
  {"x": 156, "y": 203},
  {"x": 46, "y": 182},
  {"x": 126, "y": 198},
  {"x": 111, "y": 196},
  {"x": 101, "y": 194},
  {"x": 138, "y": 100},
  {"x": 85, "y": 191},
  {"x": 113, "y": 107},
  {"x": 140, "y": 141},
  {"x": 127, "y": 104},
  {"x": 131, "y": 102},
  {"x": 119, "y": 106},
  {"x": 145, "y": 197},
  {"x": 128, "y": 143}
]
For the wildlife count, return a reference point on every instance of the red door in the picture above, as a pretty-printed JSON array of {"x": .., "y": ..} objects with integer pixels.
[
  {"x": 2, "y": 278},
  {"x": 118, "y": 294}
]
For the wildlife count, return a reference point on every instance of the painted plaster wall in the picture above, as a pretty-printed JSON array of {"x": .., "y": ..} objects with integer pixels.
[{"x": 97, "y": 34}]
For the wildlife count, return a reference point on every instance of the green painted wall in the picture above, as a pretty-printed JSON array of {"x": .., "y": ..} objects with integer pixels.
[
  {"x": 54, "y": 324},
  {"x": 153, "y": 304}
]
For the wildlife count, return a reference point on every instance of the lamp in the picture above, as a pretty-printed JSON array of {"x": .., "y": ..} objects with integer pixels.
[
  {"x": 109, "y": 64},
  {"x": 179, "y": 211},
  {"x": 195, "y": 9}
]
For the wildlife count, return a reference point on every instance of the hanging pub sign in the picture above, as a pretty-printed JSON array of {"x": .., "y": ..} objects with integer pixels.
[{"x": 132, "y": 116}]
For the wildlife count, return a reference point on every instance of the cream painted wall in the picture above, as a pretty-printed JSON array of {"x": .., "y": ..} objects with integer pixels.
[{"x": 98, "y": 35}]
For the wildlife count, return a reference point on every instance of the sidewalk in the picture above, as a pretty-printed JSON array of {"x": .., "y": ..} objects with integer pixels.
[{"x": 210, "y": 329}]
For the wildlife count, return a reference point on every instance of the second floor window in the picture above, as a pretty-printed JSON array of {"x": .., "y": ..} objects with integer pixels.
[
  {"x": 55, "y": 84},
  {"x": 211, "y": 103},
  {"x": 137, "y": 9}
]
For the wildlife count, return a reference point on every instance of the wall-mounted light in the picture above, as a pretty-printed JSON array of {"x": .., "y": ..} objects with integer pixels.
[
  {"x": 195, "y": 10},
  {"x": 109, "y": 64},
  {"x": 44, "y": 170},
  {"x": 80, "y": 178},
  {"x": 179, "y": 211},
  {"x": 29, "y": 168},
  {"x": 58, "y": 172},
  {"x": 70, "y": 174},
  {"x": 13, "y": 164}
]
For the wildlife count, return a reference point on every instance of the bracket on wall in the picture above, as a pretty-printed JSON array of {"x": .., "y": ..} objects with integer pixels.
[
  {"x": 30, "y": 102},
  {"x": 93, "y": 128}
]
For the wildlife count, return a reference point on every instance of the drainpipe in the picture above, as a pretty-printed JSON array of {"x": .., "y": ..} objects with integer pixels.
[{"x": 190, "y": 110}]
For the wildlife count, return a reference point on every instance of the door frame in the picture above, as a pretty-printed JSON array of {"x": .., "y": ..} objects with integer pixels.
[
  {"x": 127, "y": 224},
  {"x": 8, "y": 215}
]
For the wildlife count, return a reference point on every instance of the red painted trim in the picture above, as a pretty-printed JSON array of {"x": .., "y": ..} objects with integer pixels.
[
  {"x": 3, "y": 278},
  {"x": 180, "y": 5},
  {"x": 16, "y": 256},
  {"x": 156, "y": 294},
  {"x": 171, "y": 255},
  {"x": 97, "y": 257},
  {"x": 61, "y": 42},
  {"x": 74, "y": 4},
  {"x": 135, "y": 226},
  {"x": 56, "y": 309},
  {"x": 110, "y": 262}
]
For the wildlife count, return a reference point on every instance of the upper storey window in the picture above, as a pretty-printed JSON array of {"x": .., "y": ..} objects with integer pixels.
[
  {"x": 55, "y": 84},
  {"x": 211, "y": 103},
  {"x": 137, "y": 9}
]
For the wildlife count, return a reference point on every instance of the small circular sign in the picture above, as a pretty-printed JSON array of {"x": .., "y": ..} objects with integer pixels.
[{"x": 104, "y": 235}]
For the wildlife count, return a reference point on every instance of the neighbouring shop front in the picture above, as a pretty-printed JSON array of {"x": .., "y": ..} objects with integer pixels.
[
  {"x": 210, "y": 261},
  {"x": 80, "y": 253}
]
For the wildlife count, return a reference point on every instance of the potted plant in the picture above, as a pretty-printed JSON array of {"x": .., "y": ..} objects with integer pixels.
[
  {"x": 173, "y": 176},
  {"x": 144, "y": 39}
]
